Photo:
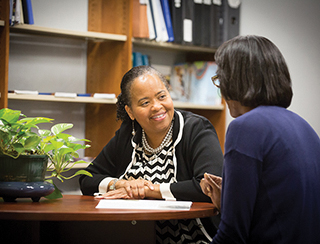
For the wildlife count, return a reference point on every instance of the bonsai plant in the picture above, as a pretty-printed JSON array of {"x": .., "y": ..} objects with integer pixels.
[{"x": 18, "y": 140}]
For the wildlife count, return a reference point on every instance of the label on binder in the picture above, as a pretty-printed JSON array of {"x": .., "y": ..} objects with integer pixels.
[{"x": 187, "y": 30}]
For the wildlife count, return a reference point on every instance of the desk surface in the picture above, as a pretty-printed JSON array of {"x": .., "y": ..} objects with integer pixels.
[{"x": 82, "y": 208}]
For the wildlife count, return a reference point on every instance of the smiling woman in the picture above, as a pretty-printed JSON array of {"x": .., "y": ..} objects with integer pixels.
[{"x": 158, "y": 153}]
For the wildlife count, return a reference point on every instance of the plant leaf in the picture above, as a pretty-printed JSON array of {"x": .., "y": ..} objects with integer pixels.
[
  {"x": 79, "y": 172},
  {"x": 44, "y": 133},
  {"x": 32, "y": 142},
  {"x": 56, "y": 193},
  {"x": 65, "y": 150},
  {"x": 58, "y": 128},
  {"x": 10, "y": 115},
  {"x": 56, "y": 144},
  {"x": 83, "y": 172},
  {"x": 18, "y": 147}
]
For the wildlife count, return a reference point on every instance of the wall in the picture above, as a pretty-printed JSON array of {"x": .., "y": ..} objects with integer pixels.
[
  {"x": 293, "y": 25},
  {"x": 50, "y": 64}
]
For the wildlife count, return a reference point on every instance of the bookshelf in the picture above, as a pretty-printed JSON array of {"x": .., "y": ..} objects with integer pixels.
[
  {"x": 109, "y": 48},
  {"x": 89, "y": 35},
  {"x": 52, "y": 98},
  {"x": 173, "y": 46}
]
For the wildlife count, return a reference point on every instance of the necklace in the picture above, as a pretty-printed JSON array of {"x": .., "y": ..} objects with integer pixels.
[{"x": 164, "y": 142}]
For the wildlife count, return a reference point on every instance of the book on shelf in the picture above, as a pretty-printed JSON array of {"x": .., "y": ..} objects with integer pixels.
[
  {"x": 187, "y": 21},
  {"x": 25, "y": 92},
  {"x": 176, "y": 17},
  {"x": 136, "y": 59},
  {"x": 145, "y": 59},
  {"x": 160, "y": 25},
  {"x": 139, "y": 59},
  {"x": 179, "y": 84},
  {"x": 231, "y": 19},
  {"x": 140, "y": 27},
  {"x": 17, "y": 13},
  {"x": 167, "y": 19},
  {"x": 203, "y": 91},
  {"x": 151, "y": 23},
  {"x": 27, "y": 12},
  {"x": 11, "y": 13},
  {"x": 191, "y": 82},
  {"x": 15, "y": 10},
  {"x": 65, "y": 94},
  {"x": 197, "y": 22},
  {"x": 206, "y": 25},
  {"x": 20, "y": 12},
  {"x": 216, "y": 24},
  {"x": 104, "y": 95}
]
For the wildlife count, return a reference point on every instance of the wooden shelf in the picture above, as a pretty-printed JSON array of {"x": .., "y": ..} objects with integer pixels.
[
  {"x": 90, "y": 35},
  {"x": 52, "y": 98},
  {"x": 172, "y": 46}
]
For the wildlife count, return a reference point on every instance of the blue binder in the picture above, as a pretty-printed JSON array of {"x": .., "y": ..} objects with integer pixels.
[
  {"x": 27, "y": 12},
  {"x": 167, "y": 19}
]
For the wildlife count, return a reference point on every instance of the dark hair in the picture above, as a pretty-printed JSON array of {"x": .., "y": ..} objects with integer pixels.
[
  {"x": 252, "y": 71},
  {"x": 124, "y": 97}
]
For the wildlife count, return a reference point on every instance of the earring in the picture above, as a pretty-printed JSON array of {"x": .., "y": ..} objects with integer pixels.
[{"x": 133, "y": 131}]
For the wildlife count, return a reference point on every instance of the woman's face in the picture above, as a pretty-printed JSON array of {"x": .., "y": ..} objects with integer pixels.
[{"x": 151, "y": 104}]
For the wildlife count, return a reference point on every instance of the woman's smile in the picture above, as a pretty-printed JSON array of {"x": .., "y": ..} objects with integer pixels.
[{"x": 159, "y": 116}]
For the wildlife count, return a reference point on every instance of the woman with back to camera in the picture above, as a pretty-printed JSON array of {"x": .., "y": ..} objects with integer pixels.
[
  {"x": 158, "y": 153},
  {"x": 271, "y": 173}
]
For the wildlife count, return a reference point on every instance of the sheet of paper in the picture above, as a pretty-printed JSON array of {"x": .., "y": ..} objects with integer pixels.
[{"x": 144, "y": 204}]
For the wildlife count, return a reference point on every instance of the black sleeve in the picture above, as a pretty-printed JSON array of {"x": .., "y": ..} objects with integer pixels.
[
  {"x": 111, "y": 162},
  {"x": 201, "y": 153}
]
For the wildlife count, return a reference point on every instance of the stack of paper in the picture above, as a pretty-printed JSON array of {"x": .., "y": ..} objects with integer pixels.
[{"x": 144, "y": 204}]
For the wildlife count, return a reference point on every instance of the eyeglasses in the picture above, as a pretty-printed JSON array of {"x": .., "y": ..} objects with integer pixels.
[{"x": 215, "y": 81}]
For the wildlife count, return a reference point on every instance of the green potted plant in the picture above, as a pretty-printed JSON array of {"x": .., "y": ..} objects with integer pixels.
[{"x": 18, "y": 144}]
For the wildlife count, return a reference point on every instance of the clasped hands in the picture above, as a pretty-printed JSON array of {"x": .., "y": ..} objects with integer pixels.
[
  {"x": 132, "y": 189},
  {"x": 211, "y": 186}
]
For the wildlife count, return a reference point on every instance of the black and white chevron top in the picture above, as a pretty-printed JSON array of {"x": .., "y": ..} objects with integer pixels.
[{"x": 160, "y": 169}]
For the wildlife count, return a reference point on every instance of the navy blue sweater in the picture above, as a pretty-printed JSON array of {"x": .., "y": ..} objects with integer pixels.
[{"x": 271, "y": 179}]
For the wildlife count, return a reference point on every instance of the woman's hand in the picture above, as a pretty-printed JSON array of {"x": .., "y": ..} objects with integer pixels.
[
  {"x": 116, "y": 194},
  {"x": 135, "y": 188},
  {"x": 130, "y": 189},
  {"x": 211, "y": 186}
]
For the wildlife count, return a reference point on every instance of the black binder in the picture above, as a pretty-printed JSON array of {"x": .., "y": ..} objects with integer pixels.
[
  {"x": 231, "y": 19},
  {"x": 197, "y": 25},
  {"x": 216, "y": 25},
  {"x": 206, "y": 26},
  {"x": 187, "y": 21},
  {"x": 176, "y": 16}
]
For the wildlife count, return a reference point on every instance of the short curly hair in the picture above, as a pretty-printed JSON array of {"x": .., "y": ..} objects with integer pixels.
[
  {"x": 252, "y": 71},
  {"x": 124, "y": 97}
]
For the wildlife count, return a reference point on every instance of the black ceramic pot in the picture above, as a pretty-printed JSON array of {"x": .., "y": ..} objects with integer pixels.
[{"x": 24, "y": 177}]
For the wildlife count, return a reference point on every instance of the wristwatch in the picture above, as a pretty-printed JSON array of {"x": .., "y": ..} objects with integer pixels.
[{"x": 113, "y": 186}]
